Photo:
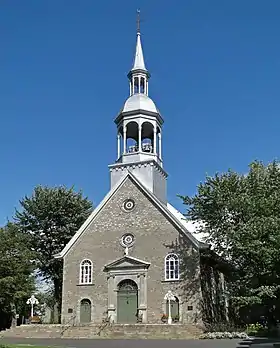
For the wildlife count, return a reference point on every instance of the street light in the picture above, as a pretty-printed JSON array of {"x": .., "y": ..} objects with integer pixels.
[
  {"x": 169, "y": 297},
  {"x": 32, "y": 301}
]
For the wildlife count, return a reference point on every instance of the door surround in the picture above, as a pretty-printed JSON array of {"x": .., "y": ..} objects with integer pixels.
[{"x": 120, "y": 270}]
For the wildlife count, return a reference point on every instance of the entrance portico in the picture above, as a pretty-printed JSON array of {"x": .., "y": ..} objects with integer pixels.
[{"x": 127, "y": 290}]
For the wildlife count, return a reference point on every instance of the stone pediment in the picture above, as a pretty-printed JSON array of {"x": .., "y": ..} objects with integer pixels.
[{"x": 127, "y": 262}]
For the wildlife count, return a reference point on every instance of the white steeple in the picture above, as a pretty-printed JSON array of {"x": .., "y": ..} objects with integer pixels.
[
  {"x": 139, "y": 63},
  {"x": 139, "y": 130},
  {"x": 138, "y": 75}
]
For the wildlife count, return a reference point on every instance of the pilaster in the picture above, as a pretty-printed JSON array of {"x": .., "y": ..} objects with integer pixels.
[
  {"x": 112, "y": 304},
  {"x": 143, "y": 297}
]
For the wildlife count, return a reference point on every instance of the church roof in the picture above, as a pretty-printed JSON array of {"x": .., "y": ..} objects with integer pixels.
[
  {"x": 191, "y": 226},
  {"x": 139, "y": 101},
  {"x": 168, "y": 211}
]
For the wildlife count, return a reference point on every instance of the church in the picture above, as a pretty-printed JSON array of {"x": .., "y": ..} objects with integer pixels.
[{"x": 136, "y": 258}]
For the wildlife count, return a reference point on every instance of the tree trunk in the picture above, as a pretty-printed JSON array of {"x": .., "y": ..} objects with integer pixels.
[
  {"x": 14, "y": 312},
  {"x": 58, "y": 298}
]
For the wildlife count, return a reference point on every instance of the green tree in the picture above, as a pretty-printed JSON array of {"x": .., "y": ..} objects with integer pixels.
[
  {"x": 16, "y": 269},
  {"x": 50, "y": 217},
  {"x": 240, "y": 215}
]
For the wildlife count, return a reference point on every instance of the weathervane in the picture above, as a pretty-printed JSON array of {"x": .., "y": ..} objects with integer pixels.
[{"x": 138, "y": 21}]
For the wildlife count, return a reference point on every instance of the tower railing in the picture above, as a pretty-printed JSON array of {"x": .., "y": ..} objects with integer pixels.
[{"x": 146, "y": 147}]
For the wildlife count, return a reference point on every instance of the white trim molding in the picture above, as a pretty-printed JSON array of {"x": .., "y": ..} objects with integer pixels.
[
  {"x": 85, "y": 275},
  {"x": 172, "y": 267}
]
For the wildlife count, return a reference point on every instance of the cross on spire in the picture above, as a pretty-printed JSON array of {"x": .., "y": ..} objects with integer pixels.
[{"x": 138, "y": 21}]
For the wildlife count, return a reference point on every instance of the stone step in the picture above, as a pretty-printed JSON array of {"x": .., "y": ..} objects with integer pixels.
[{"x": 33, "y": 331}]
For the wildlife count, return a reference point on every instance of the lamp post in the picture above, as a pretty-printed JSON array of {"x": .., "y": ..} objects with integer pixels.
[
  {"x": 169, "y": 297},
  {"x": 32, "y": 301}
]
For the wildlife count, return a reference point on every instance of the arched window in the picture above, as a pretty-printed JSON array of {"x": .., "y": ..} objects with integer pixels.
[
  {"x": 172, "y": 267},
  {"x": 86, "y": 272}
]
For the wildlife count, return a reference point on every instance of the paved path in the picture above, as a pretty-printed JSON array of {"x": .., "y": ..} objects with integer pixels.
[{"x": 103, "y": 343}]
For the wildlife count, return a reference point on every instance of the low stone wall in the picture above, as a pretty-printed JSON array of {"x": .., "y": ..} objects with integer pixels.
[
  {"x": 153, "y": 331},
  {"x": 97, "y": 331},
  {"x": 34, "y": 331}
]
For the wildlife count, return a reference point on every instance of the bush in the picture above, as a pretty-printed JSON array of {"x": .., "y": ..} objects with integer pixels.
[
  {"x": 223, "y": 330},
  {"x": 222, "y": 327},
  {"x": 256, "y": 329},
  {"x": 224, "y": 335}
]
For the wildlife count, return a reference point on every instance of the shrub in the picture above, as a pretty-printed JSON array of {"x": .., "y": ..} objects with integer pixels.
[
  {"x": 224, "y": 335},
  {"x": 254, "y": 328},
  {"x": 222, "y": 327}
]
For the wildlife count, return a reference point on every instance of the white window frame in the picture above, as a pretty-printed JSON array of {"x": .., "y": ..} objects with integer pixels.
[
  {"x": 85, "y": 278},
  {"x": 169, "y": 268}
]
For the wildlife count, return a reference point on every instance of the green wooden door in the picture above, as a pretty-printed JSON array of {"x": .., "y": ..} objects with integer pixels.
[
  {"x": 174, "y": 308},
  {"x": 127, "y": 303},
  {"x": 85, "y": 311}
]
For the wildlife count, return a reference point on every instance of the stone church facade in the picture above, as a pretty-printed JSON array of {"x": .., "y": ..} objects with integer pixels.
[{"x": 135, "y": 248}]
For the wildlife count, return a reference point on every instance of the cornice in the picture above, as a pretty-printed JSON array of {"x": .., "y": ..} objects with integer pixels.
[
  {"x": 138, "y": 71},
  {"x": 139, "y": 112},
  {"x": 128, "y": 166}
]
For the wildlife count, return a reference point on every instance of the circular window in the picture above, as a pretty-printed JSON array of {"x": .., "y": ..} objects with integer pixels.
[
  {"x": 127, "y": 240},
  {"x": 128, "y": 204}
]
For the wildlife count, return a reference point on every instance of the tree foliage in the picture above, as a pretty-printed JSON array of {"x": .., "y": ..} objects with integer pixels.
[
  {"x": 50, "y": 217},
  {"x": 16, "y": 267},
  {"x": 240, "y": 215}
]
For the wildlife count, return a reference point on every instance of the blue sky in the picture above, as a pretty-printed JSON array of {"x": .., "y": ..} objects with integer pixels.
[{"x": 215, "y": 69}]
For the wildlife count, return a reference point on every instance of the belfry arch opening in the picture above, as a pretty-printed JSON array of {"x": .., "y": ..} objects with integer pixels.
[
  {"x": 147, "y": 137},
  {"x": 132, "y": 143},
  {"x": 142, "y": 85},
  {"x": 138, "y": 84}
]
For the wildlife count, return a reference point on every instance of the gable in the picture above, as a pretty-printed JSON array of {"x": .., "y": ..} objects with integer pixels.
[
  {"x": 146, "y": 203},
  {"x": 127, "y": 262}
]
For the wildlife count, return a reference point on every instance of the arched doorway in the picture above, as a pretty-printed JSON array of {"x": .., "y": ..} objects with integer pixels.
[
  {"x": 175, "y": 314},
  {"x": 85, "y": 311},
  {"x": 127, "y": 302}
]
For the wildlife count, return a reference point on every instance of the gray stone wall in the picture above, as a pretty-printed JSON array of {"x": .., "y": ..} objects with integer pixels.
[
  {"x": 155, "y": 237},
  {"x": 148, "y": 172}
]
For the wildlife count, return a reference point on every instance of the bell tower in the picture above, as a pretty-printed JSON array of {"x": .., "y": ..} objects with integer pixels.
[{"x": 139, "y": 130}]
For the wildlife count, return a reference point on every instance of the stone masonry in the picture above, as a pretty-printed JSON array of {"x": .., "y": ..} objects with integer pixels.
[{"x": 155, "y": 237}]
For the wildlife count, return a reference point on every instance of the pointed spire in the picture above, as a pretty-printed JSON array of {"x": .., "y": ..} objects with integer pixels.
[{"x": 139, "y": 57}]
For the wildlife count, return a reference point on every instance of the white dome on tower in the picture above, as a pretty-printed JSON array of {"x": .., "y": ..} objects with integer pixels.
[{"x": 139, "y": 101}]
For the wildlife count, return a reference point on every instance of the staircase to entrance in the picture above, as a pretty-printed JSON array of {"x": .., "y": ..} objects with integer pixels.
[{"x": 115, "y": 331}]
